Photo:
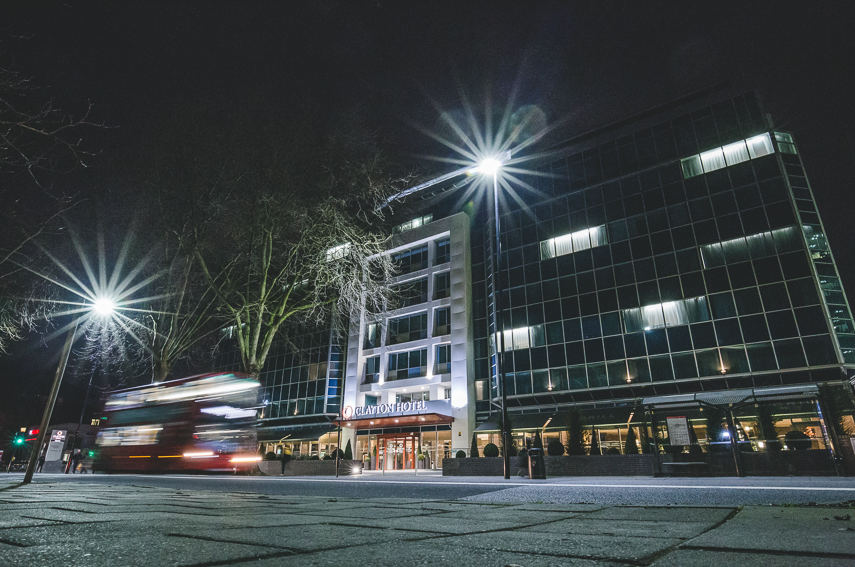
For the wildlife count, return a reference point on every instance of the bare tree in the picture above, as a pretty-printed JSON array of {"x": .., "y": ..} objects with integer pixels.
[
  {"x": 37, "y": 141},
  {"x": 295, "y": 246}
]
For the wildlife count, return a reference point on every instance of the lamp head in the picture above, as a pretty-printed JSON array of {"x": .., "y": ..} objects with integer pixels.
[
  {"x": 489, "y": 166},
  {"x": 104, "y": 306}
]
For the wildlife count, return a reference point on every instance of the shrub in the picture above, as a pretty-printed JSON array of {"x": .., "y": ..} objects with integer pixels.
[
  {"x": 575, "y": 433},
  {"x": 538, "y": 442},
  {"x": 337, "y": 453},
  {"x": 554, "y": 449},
  {"x": 613, "y": 451},
  {"x": 270, "y": 456},
  {"x": 797, "y": 440},
  {"x": 630, "y": 447},
  {"x": 473, "y": 451},
  {"x": 512, "y": 450},
  {"x": 491, "y": 450},
  {"x": 460, "y": 454},
  {"x": 523, "y": 453},
  {"x": 595, "y": 443},
  {"x": 348, "y": 452},
  {"x": 314, "y": 458}
]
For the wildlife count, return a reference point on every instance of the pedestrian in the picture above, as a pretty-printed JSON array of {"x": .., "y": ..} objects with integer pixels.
[
  {"x": 41, "y": 462},
  {"x": 75, "y": 460}
]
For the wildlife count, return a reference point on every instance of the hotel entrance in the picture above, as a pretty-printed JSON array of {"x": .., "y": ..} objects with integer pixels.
[{"x": 397, "y": 451}]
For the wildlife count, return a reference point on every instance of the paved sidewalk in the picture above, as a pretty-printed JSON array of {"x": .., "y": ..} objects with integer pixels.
[{"x": 46, "y": 524}]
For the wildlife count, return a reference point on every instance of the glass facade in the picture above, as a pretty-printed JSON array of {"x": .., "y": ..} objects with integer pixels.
[
  {"x": 685, "y": 254},
  {"x": 681, "y": 257}
]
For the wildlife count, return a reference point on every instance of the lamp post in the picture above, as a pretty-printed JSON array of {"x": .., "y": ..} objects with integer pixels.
[
  {"x": 491, "y": 166},
  {"x": 103, "y": 307}
]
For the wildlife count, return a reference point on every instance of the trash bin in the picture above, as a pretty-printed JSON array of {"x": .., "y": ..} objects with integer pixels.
[{"x": 536, "y": 464}]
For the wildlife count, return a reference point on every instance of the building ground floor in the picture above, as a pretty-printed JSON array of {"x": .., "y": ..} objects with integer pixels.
[{"x": 754, "y": 420}]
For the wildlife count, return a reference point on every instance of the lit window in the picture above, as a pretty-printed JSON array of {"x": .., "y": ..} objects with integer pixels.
[
  {"x": 573, "y": 242},
  {"x": 337, "y": 252},
  {"x": 668, "y": 314},
  {"x": 712, "y": 160},
  {"x": 731, "y": 154},
  {"x": 759, "y": 146},
  {"x": 785, "y": 143},
  {"x": 414, "y": 223},
  {"x": 692, "y": 166},
  {"x": 524, "y": 337},
  {"x": 736, "y": 153}
]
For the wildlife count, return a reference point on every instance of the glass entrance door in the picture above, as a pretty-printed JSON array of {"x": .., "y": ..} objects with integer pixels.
[{"x": 399, "y": 451}]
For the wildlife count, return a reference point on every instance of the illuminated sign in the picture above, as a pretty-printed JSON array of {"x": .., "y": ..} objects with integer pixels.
[
  {"x": 384, "y": 409},
  {"x": 57, "y": 435}
]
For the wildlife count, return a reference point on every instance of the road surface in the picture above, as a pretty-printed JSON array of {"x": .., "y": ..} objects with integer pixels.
[{"x": 611, "y": 491}]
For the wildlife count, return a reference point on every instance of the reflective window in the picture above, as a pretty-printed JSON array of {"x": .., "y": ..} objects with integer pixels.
[
  {"x": 573, "y": 242},
  {"x": 443, "y": 251},
  {"x": 671, "y": 313}
]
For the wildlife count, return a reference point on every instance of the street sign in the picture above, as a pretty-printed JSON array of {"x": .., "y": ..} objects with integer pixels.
[
  {"x": 54, "y": 452},
  {"x": 678, "y": 430},
  {"x": 58, "y": 435}
]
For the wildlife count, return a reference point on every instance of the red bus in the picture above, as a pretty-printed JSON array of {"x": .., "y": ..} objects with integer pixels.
[{"x": 199, "y": 423}]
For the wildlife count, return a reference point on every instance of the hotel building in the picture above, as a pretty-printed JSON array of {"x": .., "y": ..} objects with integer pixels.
[{"x": 669, "y": 262}]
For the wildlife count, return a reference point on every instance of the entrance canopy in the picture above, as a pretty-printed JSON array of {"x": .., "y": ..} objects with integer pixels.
[{"x": 734, "y": 397}]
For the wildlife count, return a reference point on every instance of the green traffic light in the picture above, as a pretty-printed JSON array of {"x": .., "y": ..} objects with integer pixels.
[{"x": 19, "y": 441}]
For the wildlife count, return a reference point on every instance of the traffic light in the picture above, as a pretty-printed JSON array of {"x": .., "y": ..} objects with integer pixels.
[{"x": 19, "y": 439}]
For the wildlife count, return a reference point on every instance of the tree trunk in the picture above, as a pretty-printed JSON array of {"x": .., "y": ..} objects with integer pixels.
[{"x": 159, "y": 370}]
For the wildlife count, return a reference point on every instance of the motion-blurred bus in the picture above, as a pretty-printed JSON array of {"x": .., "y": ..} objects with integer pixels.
[{"x": 200, "y": 423}]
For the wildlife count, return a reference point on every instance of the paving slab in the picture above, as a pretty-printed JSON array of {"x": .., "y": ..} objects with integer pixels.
[
  {"x": 705, "y": 558},
  {"x": 665, "y": 514},
  {"x": 796, "y": 529},
  {"x": 311, "y": 537},
  {"x": 514, "y": 515},
  {"x": 572, "y": 545},
  {"x": 431, "y": 554},
  {"x": 93, "y": 546},
  {"x": 434, "y": 525},
  {"x": 621, "y": 528}
]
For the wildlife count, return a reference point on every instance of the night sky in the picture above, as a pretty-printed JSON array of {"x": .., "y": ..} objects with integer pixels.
[{"x": 404, "y": 62}]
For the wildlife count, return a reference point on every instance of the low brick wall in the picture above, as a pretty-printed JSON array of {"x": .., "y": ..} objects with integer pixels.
[
  {"x": 815, "y": 462},
  {"x": 309, "y": 468},
  {"x": 601, "y": 465},
  {"x": 604, "y": 465}
]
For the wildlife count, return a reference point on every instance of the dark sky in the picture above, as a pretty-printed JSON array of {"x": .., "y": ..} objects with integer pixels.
[{"x": 587, "y": 63}]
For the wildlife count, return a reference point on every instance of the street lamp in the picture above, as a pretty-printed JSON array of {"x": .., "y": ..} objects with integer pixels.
[
  {"x": 101, "y": 306},
  {"x": 491, "y": 166}
]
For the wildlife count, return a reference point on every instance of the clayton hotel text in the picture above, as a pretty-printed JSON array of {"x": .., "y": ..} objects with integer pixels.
[{"x": 672, "y": 256}]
